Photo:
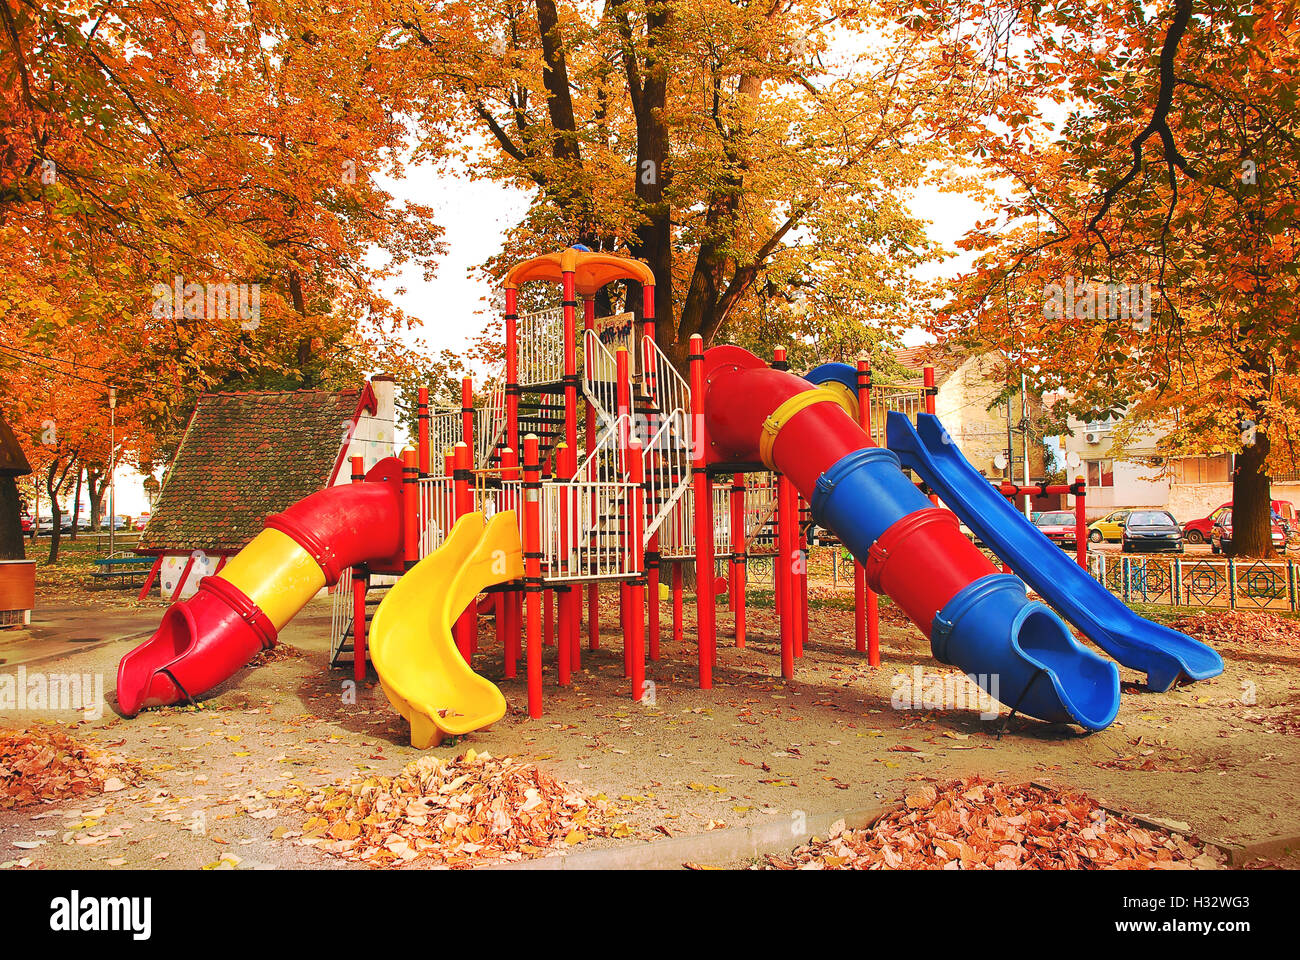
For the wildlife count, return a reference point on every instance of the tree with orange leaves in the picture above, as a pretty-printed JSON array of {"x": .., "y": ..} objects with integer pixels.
[{"x": 1145, "y": 261}]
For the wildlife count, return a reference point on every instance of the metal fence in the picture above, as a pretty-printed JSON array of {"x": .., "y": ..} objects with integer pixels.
[{"x": 1199, "y": 581}]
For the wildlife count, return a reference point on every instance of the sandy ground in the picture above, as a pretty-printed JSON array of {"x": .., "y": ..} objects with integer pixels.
[{"x": 217, "y": 779}]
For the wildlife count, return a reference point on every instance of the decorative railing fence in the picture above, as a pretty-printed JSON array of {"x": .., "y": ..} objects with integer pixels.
[{"x": 1236, "y": 584}]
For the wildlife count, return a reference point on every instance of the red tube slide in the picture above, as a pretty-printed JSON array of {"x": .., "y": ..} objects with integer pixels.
[{"x": 204, "y": 640}]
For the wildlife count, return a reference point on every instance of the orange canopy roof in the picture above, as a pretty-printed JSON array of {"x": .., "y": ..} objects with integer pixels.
[{"x": 591, "y": 271}]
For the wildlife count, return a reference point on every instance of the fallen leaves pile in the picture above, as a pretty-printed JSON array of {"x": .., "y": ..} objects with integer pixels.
[
  {"x": 1246, "y": 627},
  {"x": 281, "y": 651},
  {"x": 459, "y": 812},
  {"x": 979, "y": 825},
  {"x": 43, "y": 766}
]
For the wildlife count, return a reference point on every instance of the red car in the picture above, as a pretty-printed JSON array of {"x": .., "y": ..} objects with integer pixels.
[
  {"x": 1221, "y": 535},
  {"x": 27, "y": 523},
  {"x": 1199, "y": 531},
  {"x": 1059, "y": 527}
]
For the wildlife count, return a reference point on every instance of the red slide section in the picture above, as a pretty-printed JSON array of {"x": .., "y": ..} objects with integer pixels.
[{"x": 206, "y": 639}]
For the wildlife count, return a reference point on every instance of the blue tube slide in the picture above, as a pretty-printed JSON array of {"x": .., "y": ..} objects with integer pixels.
[
  {"x": 1163, "y": 654},
  {"x": 1016, "y": 649}
]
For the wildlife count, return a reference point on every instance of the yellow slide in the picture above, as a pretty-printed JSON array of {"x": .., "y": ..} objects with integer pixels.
[{"x": 426, "y": 679}]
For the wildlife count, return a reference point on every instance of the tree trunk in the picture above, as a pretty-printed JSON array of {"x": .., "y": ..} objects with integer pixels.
[
  {"x": 1252, "y": 515},
  {"x": 11, "y": 527},
  {"x": 95, "y": 490},
  {"x": 56, "y": 514},
  {"x": 76, "y": 503}
]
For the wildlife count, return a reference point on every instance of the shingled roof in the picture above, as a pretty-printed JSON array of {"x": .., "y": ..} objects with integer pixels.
[
  {"x": 245, "y": 456},
  {"x": 13, "y": 462}
]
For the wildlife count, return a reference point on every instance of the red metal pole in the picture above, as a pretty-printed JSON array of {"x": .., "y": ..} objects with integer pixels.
[
  {"x": 572, "y": 596},
  {"x": 784, "y": 573},
  {"x": 931, "y": 391},
  {"x": 410, "y": 509},
  {"x": 801, "y": 582},
  {"x": 593, "y": 589},
  {"x": 636, "y": 622},
  {"x": 360, "y": 582},
  {"x": 510, "y": 471},
  {"x": 704, "y": 600},
  {"x": 533, "y": 572},
  {"x": 738, "y": 554},
  {"x": 1080, "y": 522},
  {"x": 467, "y": 416},
  {"x": 866, "y": 625},
  {"x": 422, "y": 412},
  {"x": 677, "y": 592},
  {"x": 563, "y": 615},
  {"x": 467, "y": 623},
  {"x": 512, "y": 368},
  {"x": 648, "y": 309},
  {"x": 570, "y": 361}
]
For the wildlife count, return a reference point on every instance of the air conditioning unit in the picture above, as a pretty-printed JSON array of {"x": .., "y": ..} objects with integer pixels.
[{"x": 1093, "y": 437}]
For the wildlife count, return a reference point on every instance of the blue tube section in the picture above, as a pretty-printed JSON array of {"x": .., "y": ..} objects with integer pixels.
[
  {"x": 844, "y": 373},
  {"x": 1020, "y": 653},
  {"x": 862, "y": 495},
  {"x": 1016, "y": 649}
]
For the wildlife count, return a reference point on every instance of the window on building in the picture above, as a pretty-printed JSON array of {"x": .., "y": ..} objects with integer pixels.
[
  {"x": 1101, "y": 473},
  {"x": 1203, "y": 469}
]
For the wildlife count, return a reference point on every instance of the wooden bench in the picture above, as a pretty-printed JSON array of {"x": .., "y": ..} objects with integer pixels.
[{"x": 127, "y": 568}]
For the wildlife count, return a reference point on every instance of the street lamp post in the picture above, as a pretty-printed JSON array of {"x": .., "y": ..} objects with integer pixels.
[{"x": 112, "y": 485}]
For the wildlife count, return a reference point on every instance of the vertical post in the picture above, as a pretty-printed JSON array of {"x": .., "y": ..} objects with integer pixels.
[
  {"x": 677, "y": 601},
  {"x": 360, "y": 582},
  {"x": 570, "y": 360},
  {"x": 784, "y": 573},
  {"x": 593, "y": 589},
  {"x": 1080, "y": 522},
  {"x": 410, "y": 509},
  {"x": 801, "y": 601},
  {"x": 422, "y": 433},
  {"x": 931, "y": 391},
  {"x": 635, "y": 623},
  {"x": 704, "y": 600},
  {"x": 467, "y": 623},
  {"x": 467, "y": 417},
  {"x": 512, "y": 367},
  {"x": 533, "y": 572},
  {"x": 571, "y": 597},
  {"x": 563, "y": 615},
  {"x": 738, "y": 554},
  {"x": 510, "y": 471},
  {"x": 866, "y": 605}
]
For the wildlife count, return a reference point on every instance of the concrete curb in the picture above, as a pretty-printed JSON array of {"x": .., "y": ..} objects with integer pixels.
[{"x": 712, "y": 847}]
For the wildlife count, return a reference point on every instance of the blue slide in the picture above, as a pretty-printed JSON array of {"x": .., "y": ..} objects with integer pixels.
[{"x": 1163, "y": 654}]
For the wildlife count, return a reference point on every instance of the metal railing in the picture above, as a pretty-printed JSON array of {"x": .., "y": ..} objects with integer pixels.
[
  {"x": 1231, "y": 583},
  {"x": 884, "y": 399},
  {"x": 584, "y": 531},
  {"x": 540, "y": 338}
]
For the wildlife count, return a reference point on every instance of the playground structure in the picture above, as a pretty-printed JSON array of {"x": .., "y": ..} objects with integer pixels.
[{"x": 590, "y": 460}]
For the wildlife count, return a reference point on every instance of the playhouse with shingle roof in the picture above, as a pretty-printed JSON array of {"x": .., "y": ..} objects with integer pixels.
[{"x": 247, "y": 455}]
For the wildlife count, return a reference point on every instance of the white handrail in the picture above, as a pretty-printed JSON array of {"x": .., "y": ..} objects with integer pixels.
[{"x": 540, "y": 343}]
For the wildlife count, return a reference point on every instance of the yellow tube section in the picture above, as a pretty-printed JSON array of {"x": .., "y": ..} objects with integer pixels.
[
  {"x": 276, "y": 574},
  {"x": 411, "y": 645}
]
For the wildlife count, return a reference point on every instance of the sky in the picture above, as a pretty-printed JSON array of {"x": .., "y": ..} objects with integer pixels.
[{"x": 478, "y": 215}]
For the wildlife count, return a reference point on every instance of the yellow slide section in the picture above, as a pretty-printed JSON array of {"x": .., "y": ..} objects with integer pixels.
[
  {"x": 276, "y": 574},
  {"x": 426, "y": 679}
]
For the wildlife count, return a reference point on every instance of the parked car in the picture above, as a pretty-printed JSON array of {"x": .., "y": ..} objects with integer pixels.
[
  {"x": 1221, "y": 534},
  {"x": 141, "y": 521},
  {"x": 1198, "y": 531},
  {"x": 1109, "y": 527},
  {"x": 1058, "y": 526},
  {"x": 1151, "y": 531}
]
